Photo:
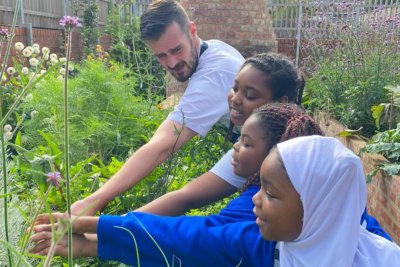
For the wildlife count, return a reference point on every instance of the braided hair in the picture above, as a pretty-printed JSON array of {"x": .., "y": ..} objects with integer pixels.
[{"x": 281, "y": 122}]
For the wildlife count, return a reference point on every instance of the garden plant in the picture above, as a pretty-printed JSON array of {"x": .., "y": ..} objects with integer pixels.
[
  {"x": 69, "y": 125},
  {"x": 352, "y": 60}
]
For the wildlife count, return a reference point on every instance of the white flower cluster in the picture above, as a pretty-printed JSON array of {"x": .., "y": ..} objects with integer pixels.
[
  {"x": 7, "y": 131},
  {"x": 37, "y": 59},
  {"x": 34, "y": 62}
]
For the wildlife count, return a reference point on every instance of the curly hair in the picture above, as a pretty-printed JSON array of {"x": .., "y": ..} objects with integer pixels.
[
  {"x": 281, "y": 122},
  {"x": 283, "y": 78}
]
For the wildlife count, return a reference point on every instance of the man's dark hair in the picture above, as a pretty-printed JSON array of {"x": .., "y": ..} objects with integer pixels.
[{"x": 159, "y": 16}]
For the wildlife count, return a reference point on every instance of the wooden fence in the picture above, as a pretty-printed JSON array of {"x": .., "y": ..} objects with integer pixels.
[
  {"x": 289, "y": 17},
  {"x": 46, "y": 13}
]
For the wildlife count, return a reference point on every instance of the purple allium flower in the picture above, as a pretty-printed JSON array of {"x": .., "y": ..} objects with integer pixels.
[
  {"x": 53, "y": 178},
  {"x": 4, "y": 32},
  {"x": 70, "y": 22}
]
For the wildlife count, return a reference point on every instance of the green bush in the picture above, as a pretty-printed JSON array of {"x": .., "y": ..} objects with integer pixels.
[
  {"x": 128, "y": 49},
  {"x": 350, "y": 62},
  {"x": 105, "y": 115}
]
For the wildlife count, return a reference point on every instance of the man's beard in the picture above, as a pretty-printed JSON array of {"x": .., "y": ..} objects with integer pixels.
[{"x": 191, "y": 65}]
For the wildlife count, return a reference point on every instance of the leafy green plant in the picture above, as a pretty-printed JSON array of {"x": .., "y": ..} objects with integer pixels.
[
  {"x": 105, "y": 116},
  {"x": 350, "y": 61},
  {"x": 90, "y": 29},
  {"x": 387, "y": 143},
  {"x": 128, "y": 49}
]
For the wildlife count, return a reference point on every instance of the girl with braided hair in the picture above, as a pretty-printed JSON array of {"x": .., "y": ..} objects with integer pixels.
[
  {"x": 279, "y": 122},
  {"x": 263, "y": 78}
]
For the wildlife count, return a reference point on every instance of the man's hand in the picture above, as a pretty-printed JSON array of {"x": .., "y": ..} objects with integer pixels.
[{"x": 139, "y": 165}]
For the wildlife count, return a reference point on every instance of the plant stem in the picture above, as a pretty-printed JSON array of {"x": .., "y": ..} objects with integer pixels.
[
  {"x": 3, "y": 146},
  {"x": 66, "y": 144},
  {"x": 4, "y": 166}
]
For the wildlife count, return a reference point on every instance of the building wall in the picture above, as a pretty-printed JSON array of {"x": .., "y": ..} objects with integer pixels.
[{"x": 244, "y": 24}]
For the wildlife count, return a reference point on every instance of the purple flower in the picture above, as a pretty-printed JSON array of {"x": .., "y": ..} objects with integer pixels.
[
  {"x": 4, "y": 32},
  {"x": 70, "y": 22},
  {"x": 53, "y": 178}
]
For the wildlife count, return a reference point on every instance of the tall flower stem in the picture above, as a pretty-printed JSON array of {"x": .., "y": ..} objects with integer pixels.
[
  {"x": 3, "y": 146},
  {"x": 68, "y": 23},
  {"x": 66, "y": 142},
  {"x": 4, "y": 167}
]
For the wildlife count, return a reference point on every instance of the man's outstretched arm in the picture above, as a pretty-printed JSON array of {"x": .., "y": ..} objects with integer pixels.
[{"x": 164, "y": 141}]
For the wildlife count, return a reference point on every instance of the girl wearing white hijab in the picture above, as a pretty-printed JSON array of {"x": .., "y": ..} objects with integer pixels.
[{"x": 312, "y": 196}]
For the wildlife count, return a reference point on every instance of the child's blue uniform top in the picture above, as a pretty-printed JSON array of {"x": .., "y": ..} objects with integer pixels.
[{"x": 230, "y": 238}]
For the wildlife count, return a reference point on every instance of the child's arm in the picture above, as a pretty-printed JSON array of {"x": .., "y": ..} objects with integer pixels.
[
  {"x": 201, "y": 191},
  {"x": 212, "y": 186},
  {"x": 184, "y": 240}
]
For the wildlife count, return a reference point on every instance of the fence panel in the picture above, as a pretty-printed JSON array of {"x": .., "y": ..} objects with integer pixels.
[
  {"x": 139, "y": 6},
  {"x": 47, "y": 13},
  {"x": 44, "y": 13},
  {"x": 320, "y": 13},
  {"x": 6, "y": 11}
]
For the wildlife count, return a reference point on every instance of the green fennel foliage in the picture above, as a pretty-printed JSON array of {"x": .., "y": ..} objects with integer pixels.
[{"x": 104, "y": 112}]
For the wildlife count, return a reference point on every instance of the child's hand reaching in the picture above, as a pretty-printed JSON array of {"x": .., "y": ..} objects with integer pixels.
[
  {"x": 82, "y": 245},
  {"x": 50, "y": 232},
  {"x": 54, "y": 221}
]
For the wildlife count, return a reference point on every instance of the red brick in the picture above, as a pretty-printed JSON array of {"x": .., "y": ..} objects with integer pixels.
[
  {"x": 237, "y": 16},
  {"x": 382, "y": 200},
  {"x": 385, "y": 220}
]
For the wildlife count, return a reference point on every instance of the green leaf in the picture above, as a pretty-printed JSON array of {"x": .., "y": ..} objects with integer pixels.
[
  {"x": 53, "y": 146},
  {"x": 18, "y": 139},
  {"x": 391, "y": 169},
  {"x": 377, "y": 114}
]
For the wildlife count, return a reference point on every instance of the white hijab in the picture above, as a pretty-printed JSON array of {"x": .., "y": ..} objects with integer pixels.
[{"x": 330, "y": 181}]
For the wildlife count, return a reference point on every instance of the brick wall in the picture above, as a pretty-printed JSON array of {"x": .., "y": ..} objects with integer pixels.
[
  {"x": 287, "y": 47},
  {"x": 244, "y": 24},
  {"x": 384, "y": 198}
]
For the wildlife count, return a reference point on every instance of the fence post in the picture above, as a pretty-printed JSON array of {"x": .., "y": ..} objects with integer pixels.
[
  {"x": 298, "y": 34},
  {"x": 21, "y": 13},
  {"x": 64, "y": 7},
  {"x": 27, "y": 26}
]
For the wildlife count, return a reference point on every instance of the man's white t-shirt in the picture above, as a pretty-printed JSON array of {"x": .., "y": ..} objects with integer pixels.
[{"x": 204, "y": 101}]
